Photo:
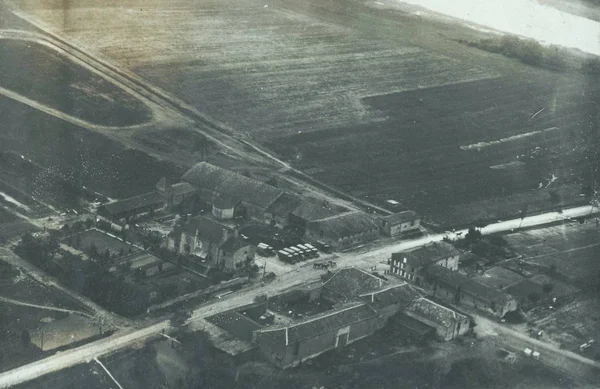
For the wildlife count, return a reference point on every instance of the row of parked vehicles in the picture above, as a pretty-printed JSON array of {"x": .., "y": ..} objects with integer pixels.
[{"x": 297, "y": 253}]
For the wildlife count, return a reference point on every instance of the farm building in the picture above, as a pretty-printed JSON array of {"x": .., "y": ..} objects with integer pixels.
[
  {"x": 409, "y": 328},
  {"x": 288, "y": 345},
  {"x": 310, "y": 210},
  {"x": 278, "y": 213},
  {"x": 400, "y": 223},
  {"x": 349, "y": 283},
  {"x": 208, "y": 240},
  {"x": 408, "y": 265},
  {"x": 251, "y": 197},
  {"x": 391, "y": 300},
  {"x": 174, "y": 194},
  {"x": 448, "y": 323},
  {"x": 147, "y": 264},
  {"x": 343, "y": 231},
  {"x": 459, "y": 289},
  {"x": 131, "y": 208}
]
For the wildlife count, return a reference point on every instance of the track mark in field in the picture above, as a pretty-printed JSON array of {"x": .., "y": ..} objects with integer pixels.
[
  {"x": 481, "y": 145},
  {"x": 507, "y": 165}
]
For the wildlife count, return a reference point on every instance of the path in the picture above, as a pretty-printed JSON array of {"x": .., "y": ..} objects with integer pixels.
[{"x": 46, "y": 307}]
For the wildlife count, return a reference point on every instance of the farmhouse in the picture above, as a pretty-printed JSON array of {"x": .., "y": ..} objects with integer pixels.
[
  {"x": 408, "y": 265},
  {"x": 462, "y": 290},
  {"x": 215, "y": 243},
  {"x": 400, "y": 223},
  {"x": 128, "y": 209},
  {"x": 343, "y": 231},
  {"x": 448, "y": 324},
  {"x": 250, "y": 197}
]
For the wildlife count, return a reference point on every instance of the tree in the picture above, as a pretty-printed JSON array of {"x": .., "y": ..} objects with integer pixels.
[
  {"x": 180, "y": 317},
  {"x": 93, "y": 251},
  {"x": 473, "y": 235},
  {"x": 25, "y": 338},
  {"x": 547, "y": 288},
  {"x": 533, "y": 297}
]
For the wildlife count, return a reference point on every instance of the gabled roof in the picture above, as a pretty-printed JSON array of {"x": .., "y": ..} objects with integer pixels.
[
  {"x": 435, "y": 312},
  {"x": 182, "y": 188},
  {"x": 411, "y": 324},
  {"x": 402, "y": 295},
  {"x": 205, "y": 228},
  {"x": 207, "y": 176},
  {"x": 284, "y": 205},
  {"x": 346, "y": 224},
  {"x": 320, "y": 324},
  {"x": 313, "y": 209},
  {"x": 133, "y": 203},
  {"x": 428, "y": 254},
  {"x": 466, "y": 284},
  {"x": 353, "y": 282},
  {"x": 402, "y": 217}
]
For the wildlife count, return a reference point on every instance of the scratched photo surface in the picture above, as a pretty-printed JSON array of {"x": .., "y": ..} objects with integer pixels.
[{"x": 299, "y": 193}]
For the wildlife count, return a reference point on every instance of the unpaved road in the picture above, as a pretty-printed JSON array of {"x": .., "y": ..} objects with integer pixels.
[{"x": 300, "y": 275}]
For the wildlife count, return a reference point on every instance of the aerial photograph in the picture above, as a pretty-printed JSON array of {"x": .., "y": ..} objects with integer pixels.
[{"x": 299, "y": 194}]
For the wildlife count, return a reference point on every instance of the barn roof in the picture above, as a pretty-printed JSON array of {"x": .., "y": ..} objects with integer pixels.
[
  {"x": 428, "y": 254},
  {"x": 353, "y": 282},
  {"x": 313, "y": 209},
  {"x": 402, "y": 217},
  {"x": 133, "y": 203},
  {"x": 223, "y": 181},
  {"x": 402, "y": 295},
  {"x": 435, "y": 312},
  {"x": 467, "y": 284},
  {"x": 346, "y": 224},
  {"x": 321, "y": 324},
  {"x": 284, "y": 205}
]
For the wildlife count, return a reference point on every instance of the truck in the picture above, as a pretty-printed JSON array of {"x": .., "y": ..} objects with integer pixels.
[
  {"x": 312, "y": 252},
  {"x": 264, "y": 249}
]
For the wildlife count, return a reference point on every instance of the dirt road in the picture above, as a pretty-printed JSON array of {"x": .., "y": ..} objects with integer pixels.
[{"x": 300, "y": 275}]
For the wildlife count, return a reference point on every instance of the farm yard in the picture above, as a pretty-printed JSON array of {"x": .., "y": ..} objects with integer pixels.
[{"x": 401, "y": 111}]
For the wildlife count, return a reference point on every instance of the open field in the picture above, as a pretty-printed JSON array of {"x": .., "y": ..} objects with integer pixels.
[
  {"x": 86, "y": 375},
  {"x": 60, "y": 158},
  {"x": 377, "y": 102},
  {"x": 572, "y": 248},
  {"x": 44, "y": 75}
]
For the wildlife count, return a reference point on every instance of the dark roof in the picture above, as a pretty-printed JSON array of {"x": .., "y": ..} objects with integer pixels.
[
  {"x": 284, "y": 205},
  {"x": 466, "y": 284},
  {"x": 346, "y": 224},
  {"x": 411, "y": 324},
  {"x": 402, "y": 295},
  {"x": 524, "y": 288},
  {"x": 214, "y": 178},
  {"x": 205, "y": 228},
  {"x": 234, "y": 244},
  {"x": 428, "y": 254},
  {"x": 181, "y": 188},
  {"x": 353, "y": 282},
  {"x": 435, "y": 312},
  {"x": 321, "y": 324},
  {"x": 313, "y": 209},
  {"x": 402, "y": 217},
  {"x": 224, "y": 202},
  {"x": 235, "y": 323},
  {"x": 134, "y": 203}
]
